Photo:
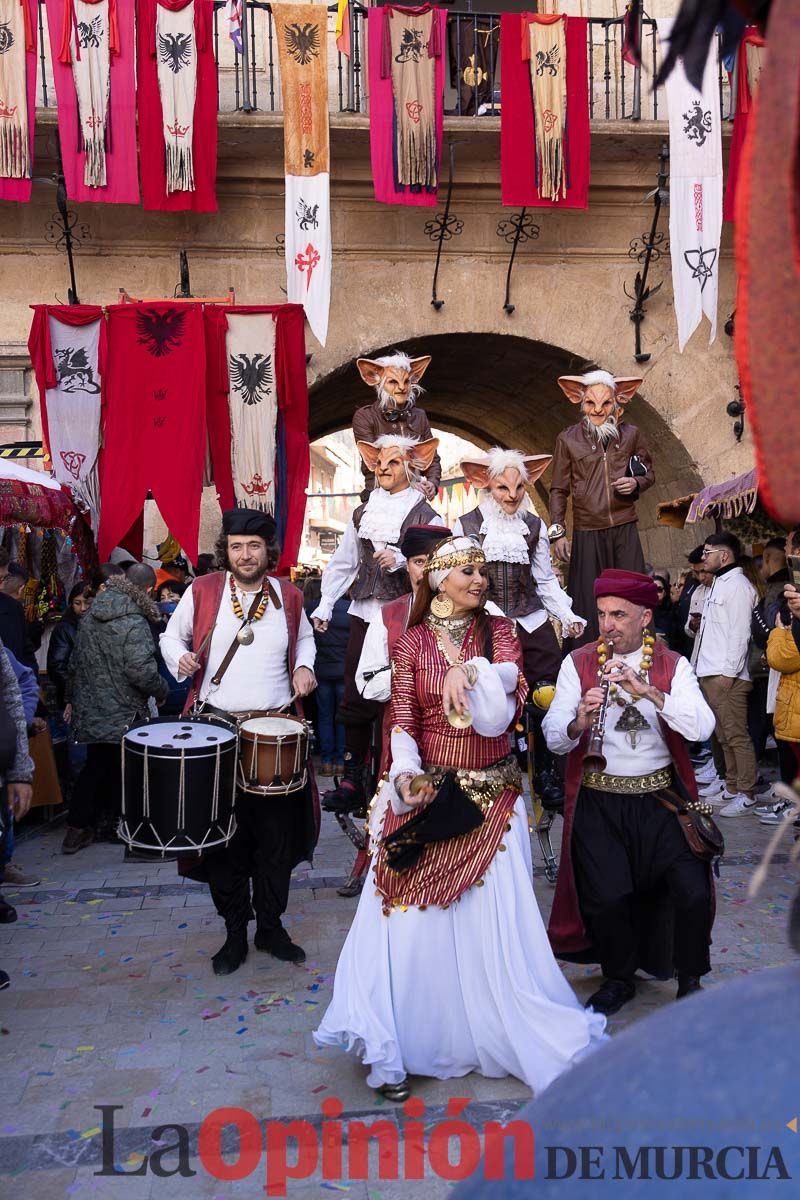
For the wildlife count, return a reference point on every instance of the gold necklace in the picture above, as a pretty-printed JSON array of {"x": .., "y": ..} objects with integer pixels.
[
  {"x": 648, "y": 641},
  {"x": 238, "y": 611}
]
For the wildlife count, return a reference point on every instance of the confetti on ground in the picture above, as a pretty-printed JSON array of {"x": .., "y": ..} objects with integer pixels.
[
  {"x": 82, "y": 1049},
  {"x": 87, "y": 1133}
]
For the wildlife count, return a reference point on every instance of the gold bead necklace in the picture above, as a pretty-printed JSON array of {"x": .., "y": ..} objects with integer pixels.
[
  {"x": 648, "y": 641},
  {"x": 238, "y": 611}
]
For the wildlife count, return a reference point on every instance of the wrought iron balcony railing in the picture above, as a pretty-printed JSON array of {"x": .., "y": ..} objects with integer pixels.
[{"x": 250, "y": 82}]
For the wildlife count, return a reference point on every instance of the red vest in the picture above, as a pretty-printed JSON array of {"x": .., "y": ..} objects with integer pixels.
[
  {"x": 395, "y": 616},
  {"x": 565, "y": 929},
  {"x": 207, "y": 593}
]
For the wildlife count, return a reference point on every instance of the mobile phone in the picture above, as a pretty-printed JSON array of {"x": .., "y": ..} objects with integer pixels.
[{"x": 793, "y": 563}]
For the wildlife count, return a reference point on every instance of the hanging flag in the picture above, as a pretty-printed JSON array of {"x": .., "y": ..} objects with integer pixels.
[
  {"x": 67, "y": 349},
  {"x": 253, "y": 405},
  {"x": 287, "y": 496},
  {"x": 695, "y": 191},
  {"x": 301, "y": 32},
  {"x": 406, "y": 78},
  {"x": 233, "y": 15},
  {"x": 544, "y": 120},
  {"x": 93, "y": 51},
  {"x": 747, "y": 71},
  {"x": 177, "y": 104},
  {"x": 343, "y": 28},
  {"x": 154, "y": 421},
  {"x": 18, "y": 29},
  {"x": 632, "y": 34}
]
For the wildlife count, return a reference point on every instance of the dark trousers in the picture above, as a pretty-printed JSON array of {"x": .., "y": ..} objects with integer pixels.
[
  {"x": 356, "y": 713},
  {"x": 97, "y": 795},
  {"x": 594, "y": 550},
  {"x": 331, "y": 735},
  {"x": 623, "y": 845},
  {"x": 759, "y": 721},
  {"x": 541, "y": 654},
  {"x": 261, "y": 851}
]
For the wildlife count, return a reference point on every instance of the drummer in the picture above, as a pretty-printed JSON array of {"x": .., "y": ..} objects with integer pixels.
[{"x": 244, "y": 638}]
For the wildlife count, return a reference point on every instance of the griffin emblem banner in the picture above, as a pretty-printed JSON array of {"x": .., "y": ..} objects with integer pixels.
[
  {"x": 540, "y": 131},
  {"x": 302, "y": 31},
  {"x": 93, "y": 51},
  {"x": 695, "y": 192},
  {"x": 67, "y": 348},
  {"x": 406, "y": 77}
]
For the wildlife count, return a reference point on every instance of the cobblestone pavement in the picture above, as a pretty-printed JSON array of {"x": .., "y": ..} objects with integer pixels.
[{"x": 113, "y": 1002}]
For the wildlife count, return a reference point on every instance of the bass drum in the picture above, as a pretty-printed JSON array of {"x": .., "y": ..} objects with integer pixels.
[{"x": 179, "y": 784}]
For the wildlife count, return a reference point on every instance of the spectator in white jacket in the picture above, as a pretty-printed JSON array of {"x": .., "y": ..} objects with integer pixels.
[{"x": 720, "y": 662}]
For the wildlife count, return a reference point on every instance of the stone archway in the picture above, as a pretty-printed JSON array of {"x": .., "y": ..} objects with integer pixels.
[{"x": 498, "y": 389}]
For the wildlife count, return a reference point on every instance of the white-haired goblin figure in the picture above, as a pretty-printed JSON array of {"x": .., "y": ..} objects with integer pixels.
[
  {"x": 605, "y": 466},
  {"x": 522, "y": 583},
  {"x": 396, "y": 379}
]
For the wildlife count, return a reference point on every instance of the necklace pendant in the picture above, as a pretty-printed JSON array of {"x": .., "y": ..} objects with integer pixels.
[{"x": 245, "y": 636}]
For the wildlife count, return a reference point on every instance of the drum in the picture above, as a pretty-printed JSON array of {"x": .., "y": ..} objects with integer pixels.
[
  {"x": 179, "y": 784},
  {"x": 273, "y": 753}
]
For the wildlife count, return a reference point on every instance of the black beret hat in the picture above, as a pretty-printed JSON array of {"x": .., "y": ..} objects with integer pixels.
[{"x": 239, "y": 521}]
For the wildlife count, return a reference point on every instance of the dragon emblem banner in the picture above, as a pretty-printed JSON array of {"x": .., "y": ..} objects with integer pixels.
[
  {"x": 177, "y": 104},
  {"x": 252, "y": 390},
  {"x": 301, "y": 31},
  {"x": 154, "y": 421},
  {"x": 406, "y": 75},
  {"x": 67, "y": 348},
  {"x": 253, "y": 405},
  {"x": 695, "y": 192},
  {"x": 18, "y": 28},
  {"x": 93, "y": 50}
]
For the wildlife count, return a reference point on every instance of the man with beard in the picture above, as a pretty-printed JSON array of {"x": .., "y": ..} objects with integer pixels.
[
  {"x": 370, "y": 563},
  {"x": 274, "y": 834},
  {"x": 395, "y": 378},
  {"x": 605, "y": 466},
  {"x": 521, "y": 581}
]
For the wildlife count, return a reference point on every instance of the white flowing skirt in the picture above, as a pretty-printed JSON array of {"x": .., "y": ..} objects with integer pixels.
[{"x": 473, "y": 987}]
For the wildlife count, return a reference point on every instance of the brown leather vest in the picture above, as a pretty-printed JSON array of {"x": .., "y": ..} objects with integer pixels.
[
  {"x": 511, "y": 585},
  {"x": 372, "y": 582}
]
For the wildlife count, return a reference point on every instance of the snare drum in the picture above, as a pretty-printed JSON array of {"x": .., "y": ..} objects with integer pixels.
[
  {"x": 273, "y": 753},
  {"x": 178, "y": 784}
]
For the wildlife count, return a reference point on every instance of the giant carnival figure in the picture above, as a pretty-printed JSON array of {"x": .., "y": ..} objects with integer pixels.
[
  {"x": 370, "y": 563},
  {"x": 522, "y": 583},
  {"x": 395, "y": 378},
  {"x": 605, "y": 466}
]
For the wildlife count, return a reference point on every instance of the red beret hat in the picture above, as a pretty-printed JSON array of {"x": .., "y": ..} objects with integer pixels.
[{"x": 628, "y": 585}]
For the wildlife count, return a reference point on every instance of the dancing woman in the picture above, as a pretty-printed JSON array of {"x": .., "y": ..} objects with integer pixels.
[{"x": 447, "y": 968}]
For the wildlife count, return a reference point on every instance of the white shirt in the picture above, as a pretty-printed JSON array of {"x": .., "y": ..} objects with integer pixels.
[
  {"x": 343, "y": 567},
  {"x": 556, "y": 601},
  {"x": 723, "y": 639},
  {"x": 685, "y": 710},
  {"x": 258, "y": 675},
  {"x": 697, "y": 602}
]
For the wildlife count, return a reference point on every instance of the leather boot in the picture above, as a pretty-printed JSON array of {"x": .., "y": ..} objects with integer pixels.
[
  {"x": 348, "y": 796},
  {"x": 611, "y": 995},
  {"x": 687, "y": 985},
  {"x": 231, "y": 956}
]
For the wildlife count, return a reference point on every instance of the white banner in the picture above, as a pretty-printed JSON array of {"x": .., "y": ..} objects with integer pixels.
[
  {"x": 308, "y": 248},
  {"x": 73, "y": 409},
  {"x": 253, "y": 403},
  {"x": 695, "y": 192}
]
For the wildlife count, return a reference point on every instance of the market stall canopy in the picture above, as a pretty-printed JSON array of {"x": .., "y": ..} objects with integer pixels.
[
  {"x": 725, "y": 501},
  {"x": 32, "y": 498},
  {"x": 9, "y": 469}
]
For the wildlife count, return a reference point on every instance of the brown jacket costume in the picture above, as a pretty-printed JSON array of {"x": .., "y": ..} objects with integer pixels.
[{"x": 585, "y": 470}]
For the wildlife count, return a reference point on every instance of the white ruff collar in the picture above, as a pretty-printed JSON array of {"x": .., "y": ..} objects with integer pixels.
[
  {"x": 504, "y": 534},
  {"x": 384, "y": 514}
]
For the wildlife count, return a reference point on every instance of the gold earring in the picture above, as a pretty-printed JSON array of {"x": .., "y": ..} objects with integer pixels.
[{"x": 442, "y": 606}]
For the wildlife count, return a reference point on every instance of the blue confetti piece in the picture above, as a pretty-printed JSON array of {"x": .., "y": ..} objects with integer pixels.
[
  {"x": 183, "y": 926},
  {"x": 242, "y": 1030}
]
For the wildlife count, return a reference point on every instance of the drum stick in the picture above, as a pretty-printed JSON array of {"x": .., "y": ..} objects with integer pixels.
[{"x": 204, "y": 643}]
